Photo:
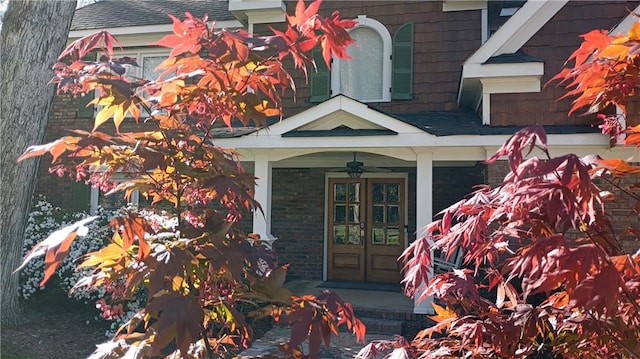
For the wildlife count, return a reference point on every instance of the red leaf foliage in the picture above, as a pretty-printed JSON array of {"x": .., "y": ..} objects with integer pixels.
[
  {"x": 544, "y": 270},
  {"x": 199, "y": 271}
]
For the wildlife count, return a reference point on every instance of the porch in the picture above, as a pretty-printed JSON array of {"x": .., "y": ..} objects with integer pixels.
[
  {"x": 385, "y": 313},
  {"x": 338, "y": 186}
]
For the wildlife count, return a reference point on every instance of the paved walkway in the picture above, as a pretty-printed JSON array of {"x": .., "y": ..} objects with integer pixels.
[{"x": 341, "y": 348}]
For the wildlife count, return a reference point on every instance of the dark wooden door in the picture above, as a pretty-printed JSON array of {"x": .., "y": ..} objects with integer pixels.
[
  {"x": 366, "y": 229},
  {"x": 385, "y": 229},
  {"x": 346, "y": 252}
]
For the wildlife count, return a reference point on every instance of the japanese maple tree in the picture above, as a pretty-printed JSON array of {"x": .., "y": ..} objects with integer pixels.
[
  {"x": 196, "y": 268},
  {"x": 544, "y": 272}
]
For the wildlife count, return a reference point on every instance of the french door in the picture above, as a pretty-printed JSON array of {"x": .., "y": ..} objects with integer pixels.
[{"x": 365, "y": 229}]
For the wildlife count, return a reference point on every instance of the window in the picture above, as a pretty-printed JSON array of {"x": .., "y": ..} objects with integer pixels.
[
  {"x": 112, "y": 201},
  {"x": 147, "y": 60},
  {"x": 380, "y": 69}
]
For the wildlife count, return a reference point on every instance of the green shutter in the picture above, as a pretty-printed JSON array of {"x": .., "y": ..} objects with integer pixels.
[
  {"x": 80, "y": 197},
  {"x": 320, "y": 80},
  {"x": 83, "y": 101},
  {"x": 402, "y": 82}
]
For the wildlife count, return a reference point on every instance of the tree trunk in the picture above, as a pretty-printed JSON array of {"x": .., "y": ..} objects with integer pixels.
[{"x": 33, "y": 34}]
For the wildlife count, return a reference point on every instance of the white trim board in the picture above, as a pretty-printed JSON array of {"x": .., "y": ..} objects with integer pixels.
[
  {"x": 130, "y": 36},
  {"x": 329, "y": 109},
  {"x": 625, "y": 25},
  {"x": 148, "y": 29},
  {"x": 418, "y": 139},
  {"x": 508, "y": 39},
  {"x": 517, "y": 30}
]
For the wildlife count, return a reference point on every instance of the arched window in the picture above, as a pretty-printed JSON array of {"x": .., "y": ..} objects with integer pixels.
[
  {"x": 370, "y": 76},
  {"x": 367, "y": 76}
]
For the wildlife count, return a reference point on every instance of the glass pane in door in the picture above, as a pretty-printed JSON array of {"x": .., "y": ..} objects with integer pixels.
[
  {"x": 347, "y": 213},
  {"x": 393, "y": 236},
  {"x": 354, "y": 192},
  {"x": 355, "y": 236},
  {"x": 378, "y": 192},
  {"x": 392, "y": 193},
  {"x": 378, "y": 235},
  {"x": 339, "y": 234}
]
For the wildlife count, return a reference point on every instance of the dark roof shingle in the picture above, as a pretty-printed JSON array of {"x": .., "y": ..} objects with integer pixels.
[
  {"x": 119, "y": 13},
  {"x": 451, "y": 123},
  {"x": 514, "y": 58}
]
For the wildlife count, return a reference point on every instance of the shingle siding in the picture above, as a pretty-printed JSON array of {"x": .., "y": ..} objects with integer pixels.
[
  {"x": 554, "y": 43},
  {"x": 442, "y": 41}
]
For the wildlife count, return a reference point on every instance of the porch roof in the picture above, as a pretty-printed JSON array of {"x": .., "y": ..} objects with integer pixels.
[
  {"x": 437, "y": 123},
  {"x": 451, "y": 123}
]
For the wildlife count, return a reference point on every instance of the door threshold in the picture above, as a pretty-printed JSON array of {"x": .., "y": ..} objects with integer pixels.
[{"x": 373, "y": 286}]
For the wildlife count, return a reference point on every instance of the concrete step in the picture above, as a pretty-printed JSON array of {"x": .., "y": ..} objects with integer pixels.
[
  {"x": 388, "y": 327},
  {"x": 386, "y": 313}
]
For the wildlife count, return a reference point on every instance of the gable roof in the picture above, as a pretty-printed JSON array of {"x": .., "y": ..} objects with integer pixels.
[
  {"x": 436, "y": 123},
  {"x": 117, "y": 13},
  {"x": 339, "y": 111}
]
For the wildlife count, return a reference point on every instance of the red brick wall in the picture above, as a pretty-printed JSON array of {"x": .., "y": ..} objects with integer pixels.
[
  {"x": 298, "y": 198},
  {"x": 63, "y": 118},
  {"x": 554, "y": 43},
  {"x": 297, "y": 219}
]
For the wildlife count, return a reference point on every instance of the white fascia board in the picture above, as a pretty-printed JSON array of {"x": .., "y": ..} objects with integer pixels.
[
  {"x": 625, "y": 25},
  {"x": 560, "y": 145},
  {"x": 303, "y": 118},
  {"x": 330, "y": 106},
  {"x": 255, "y": 4},
  {"x": 502, "y": 70},
  {"x": 378, "y": 118},
  {"x": 463, "y": 5},
  {"x": 476, "y": 153},
  {"x": 265, "y": 17},
  {"x": 516, "y": 84},
  {"x": 284, "y": 154},
  {"x": 328, "y": 142},
  {"x": 149, "y": 29},
  {"x": 499, "y": 78},
  {"x": 242, "y": 8},
  {"x": 403, "y": 140},
  {"x": 517, "y": 30}
]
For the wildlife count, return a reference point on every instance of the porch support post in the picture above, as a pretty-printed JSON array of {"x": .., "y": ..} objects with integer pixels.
[
  {"x": 262, "y": 220},
  {"x": 424, "y": 213}
]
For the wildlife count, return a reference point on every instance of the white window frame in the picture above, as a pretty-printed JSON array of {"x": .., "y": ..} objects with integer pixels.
[
  {"x": 138, "y": 55},
  {"x": 94, "y": 199},
  {"x": 387, "y": 47}
]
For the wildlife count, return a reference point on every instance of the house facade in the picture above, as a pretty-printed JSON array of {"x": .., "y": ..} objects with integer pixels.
[{"x": 372, "y": 149}]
